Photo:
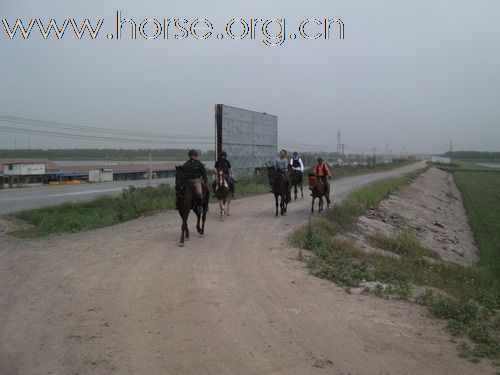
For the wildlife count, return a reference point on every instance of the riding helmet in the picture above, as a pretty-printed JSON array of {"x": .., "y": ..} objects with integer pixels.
[
  {"x": 193, "y": 152},
  {"x": 320, "y": 160}
]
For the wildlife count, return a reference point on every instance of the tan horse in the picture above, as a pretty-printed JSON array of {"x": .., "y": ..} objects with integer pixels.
[{"x": 222, "y": 194}]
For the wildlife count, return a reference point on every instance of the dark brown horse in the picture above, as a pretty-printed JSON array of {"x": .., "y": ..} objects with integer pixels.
[
  {"x": 186, "y": 201},
  {"x": 222, "y": 193},
  {"x": 295, "y": 181},
  {"x": 318, "y": 191},
  {"x": 280, "y": 189}
]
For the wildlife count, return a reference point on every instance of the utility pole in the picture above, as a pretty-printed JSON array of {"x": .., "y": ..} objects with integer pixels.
[
  {"x": 339, "y": 142},
  {"x": 150, "y": 170}
]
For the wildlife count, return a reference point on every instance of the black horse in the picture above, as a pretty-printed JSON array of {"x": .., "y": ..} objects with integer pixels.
[
  {"x": 185, "y": 202},
  {"x": 296, "y": 178},
  {"x": 280, "y": 189}
]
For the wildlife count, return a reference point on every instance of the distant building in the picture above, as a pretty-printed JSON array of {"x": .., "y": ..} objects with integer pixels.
[
  {"x": 100, "y": 175},
  {"x": 17, "y": 173},
  {"x": 441, "y": 159},
  {"x": 25, "y": 172}
]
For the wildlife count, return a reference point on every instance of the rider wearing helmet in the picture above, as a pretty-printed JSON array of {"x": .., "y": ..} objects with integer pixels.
[
  {"x": 225, "y": 166},
  {"x": 195, "y": 171},
  {"x": 297, "y": 165},
  {"x": 322, "y": 171}
]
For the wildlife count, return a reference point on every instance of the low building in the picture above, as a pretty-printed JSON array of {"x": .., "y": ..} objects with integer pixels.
[
  {"x": 20, "y": 172},
  {"x": 440, "y": 159},
  {"x": 101, "y": 175}
]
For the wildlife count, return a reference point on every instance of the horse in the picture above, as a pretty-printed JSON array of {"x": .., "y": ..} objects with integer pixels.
[
  {"x": 317, "y": 191},
  {"x": 279, "y": 189},
  {"x": 295, "y": 181},
  {"x": 185, "y": 202},
  {"x": 222, "y": 193}
]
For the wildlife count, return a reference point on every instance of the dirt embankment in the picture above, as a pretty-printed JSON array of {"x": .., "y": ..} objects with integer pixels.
[{"x": 431, "y": 208}]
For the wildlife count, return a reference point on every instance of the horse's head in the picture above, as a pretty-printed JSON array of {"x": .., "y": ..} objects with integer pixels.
[
  {"x": 313, "y": 180},
  {"x": 220, "y": 177}
]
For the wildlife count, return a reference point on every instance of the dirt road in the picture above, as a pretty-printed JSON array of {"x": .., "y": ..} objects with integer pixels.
[{"x": 127, "y": 300}]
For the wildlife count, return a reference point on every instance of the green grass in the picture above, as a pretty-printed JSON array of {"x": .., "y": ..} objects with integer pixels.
[
  {"x": 469, "y": 301},
  {"x": 481, "y": 194},
  {"x": 100, "y": 212},
  {"x": 347, "y": 171},
  {"x": 252, "y": 186},
  {"x": 403, "y": 243}
]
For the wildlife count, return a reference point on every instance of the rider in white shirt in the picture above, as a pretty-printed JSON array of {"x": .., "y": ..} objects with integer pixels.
[{"x": 297, "y": 165}]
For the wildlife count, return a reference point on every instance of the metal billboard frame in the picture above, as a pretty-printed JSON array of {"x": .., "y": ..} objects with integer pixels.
[{"x": 249, "y": 137}]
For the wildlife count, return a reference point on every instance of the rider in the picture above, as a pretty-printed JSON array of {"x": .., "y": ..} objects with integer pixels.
[
  {"x": 322, "y": 171},
  {"x": 225, "y": 166},
  {"x": 281, "y": 166},
  {"x": 195, "y": 171},
  {"x": 297, "y": 165}
]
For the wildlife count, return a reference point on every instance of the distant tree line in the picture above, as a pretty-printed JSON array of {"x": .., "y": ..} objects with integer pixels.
[
  {"x": 101, "y": 154},
  {"x": 473, "y": 155}
]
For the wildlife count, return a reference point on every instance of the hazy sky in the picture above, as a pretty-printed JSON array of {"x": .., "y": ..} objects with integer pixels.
[{"x": 414, "y": 74}]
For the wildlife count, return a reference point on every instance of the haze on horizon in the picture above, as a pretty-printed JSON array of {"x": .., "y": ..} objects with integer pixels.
[{"x": 411, "y": 75}]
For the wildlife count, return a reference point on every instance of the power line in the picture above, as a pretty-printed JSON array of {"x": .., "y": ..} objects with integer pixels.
[
  {"x": 93, "y": 137},
  {"x": 93, "y": 129}
]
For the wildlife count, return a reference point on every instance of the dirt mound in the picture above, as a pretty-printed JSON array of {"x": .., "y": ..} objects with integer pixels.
[
  {"x": 431, "y": 208},
  {"x": 11, "y": 224}
]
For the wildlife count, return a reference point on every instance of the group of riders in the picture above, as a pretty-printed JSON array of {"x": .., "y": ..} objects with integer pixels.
[
  {"x": 320, "y": 170},
  {"x": 196, "y": 173}
]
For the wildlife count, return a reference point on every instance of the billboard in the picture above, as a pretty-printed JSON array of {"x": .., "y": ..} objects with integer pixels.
[{"x": 250, "y": 138}]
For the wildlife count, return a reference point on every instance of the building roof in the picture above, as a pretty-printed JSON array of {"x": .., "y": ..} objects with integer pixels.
[
  {"x": 49, "y": 165},
  {"x": 118, "y": 168}
]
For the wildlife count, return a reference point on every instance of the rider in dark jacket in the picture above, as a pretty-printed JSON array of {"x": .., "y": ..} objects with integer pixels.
[
  {"x": 194, "y": 171},
  {"x": 225, "y": 166}
]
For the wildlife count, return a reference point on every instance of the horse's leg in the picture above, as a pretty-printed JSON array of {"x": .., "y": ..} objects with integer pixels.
[
  {"x": 320, "y": 209},
  {"x": 227, "y": 204},
  {"x": 301, "y": 191},
  {"x": 183, "y": 229},
  {"x": 295, "y": 192},
  {"x": 204, "y": 217},
  {"x": 221, "y": 207},
  {"x": 198, "y": 221},
  {"x": 276, "y": 198},
  {"x": 284, "y": 203},
  {"x": 312, "y": 204}
]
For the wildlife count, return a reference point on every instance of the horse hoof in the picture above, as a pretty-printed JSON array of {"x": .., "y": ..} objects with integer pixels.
[{"x": 181, "y": 244}]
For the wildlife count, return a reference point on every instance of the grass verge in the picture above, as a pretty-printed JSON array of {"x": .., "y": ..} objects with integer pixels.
[
  {"x": 468, "y": 301},
  {"x": 99, "y": 212},
  {"x": 481, "y": 195}
]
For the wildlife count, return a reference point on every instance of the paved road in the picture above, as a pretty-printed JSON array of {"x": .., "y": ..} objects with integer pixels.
[
  {"x": 127, "y": 300},
  {"x": 14, "y": 200}
]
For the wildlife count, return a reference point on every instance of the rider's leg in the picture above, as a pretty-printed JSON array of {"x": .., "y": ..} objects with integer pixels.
[
  {"x": 198, "y": 192},
  {"x": 230, "y": 182}
]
